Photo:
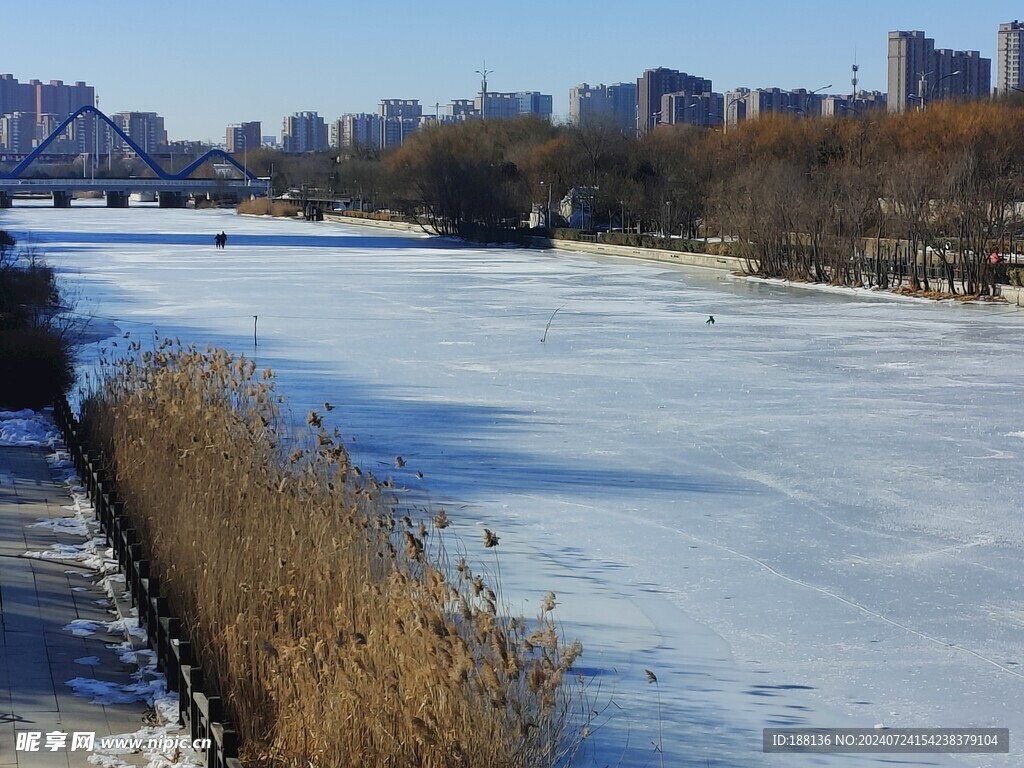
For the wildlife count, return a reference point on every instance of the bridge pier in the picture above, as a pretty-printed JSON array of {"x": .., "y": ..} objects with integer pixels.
[
  {"x": 6, "y": 200},
  {"x": 61, "y": 199},
  {"x": 172, "y": 199},
  {"x": 117, "y": 199}
]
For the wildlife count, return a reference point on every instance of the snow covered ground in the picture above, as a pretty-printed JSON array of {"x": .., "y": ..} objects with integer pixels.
[{"x": 807, "y": 514}]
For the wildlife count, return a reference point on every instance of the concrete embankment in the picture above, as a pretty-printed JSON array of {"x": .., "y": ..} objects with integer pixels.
[
  {"x": 1012, "y": 294},
  {"x": 708, "y": 261},
  {"x": 402, "y": 226}
]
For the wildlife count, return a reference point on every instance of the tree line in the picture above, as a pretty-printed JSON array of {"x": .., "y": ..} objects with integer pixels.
[
  {"x": 921, "y": 199},
  {"x": 36, "y": 339}
]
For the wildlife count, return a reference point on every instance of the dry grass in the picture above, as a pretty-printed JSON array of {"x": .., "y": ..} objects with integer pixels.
[
  {"x": 338, "y": 632},
  {"x": 260, "y": 206}
]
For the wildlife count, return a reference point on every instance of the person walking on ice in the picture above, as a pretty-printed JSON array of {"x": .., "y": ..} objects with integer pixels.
[{"x": 710, "y": 320}]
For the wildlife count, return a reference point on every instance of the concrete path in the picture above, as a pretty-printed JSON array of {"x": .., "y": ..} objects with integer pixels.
[{"x": 38, "y": 598}]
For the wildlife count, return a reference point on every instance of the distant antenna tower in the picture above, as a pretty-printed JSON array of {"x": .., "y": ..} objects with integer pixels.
[{"x": 855, "y": 69}]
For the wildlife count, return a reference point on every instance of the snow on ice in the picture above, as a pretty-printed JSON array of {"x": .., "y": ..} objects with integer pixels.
[{"x": 807, "y": 514}]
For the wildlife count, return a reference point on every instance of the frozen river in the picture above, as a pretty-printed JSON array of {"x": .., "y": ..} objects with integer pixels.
[{"x": 808, "y": 514}]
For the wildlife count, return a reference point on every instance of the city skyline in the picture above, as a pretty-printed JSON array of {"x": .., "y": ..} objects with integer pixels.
[{"x": 204, "y": 68}]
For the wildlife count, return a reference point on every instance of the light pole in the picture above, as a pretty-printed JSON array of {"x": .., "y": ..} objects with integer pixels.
[
  {"x": 725, "y": 113},
  {"x": 807, "y": 102},
  {"x": 931, "y": 90},
  {"x": 691, "y": 106},
  {"x": 483, "y": 89},
  {"x": 668, "y": 218},
  {"x": 922, "y": 88}
]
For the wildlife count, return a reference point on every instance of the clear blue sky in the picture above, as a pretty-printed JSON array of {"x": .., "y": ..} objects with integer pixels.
[{"x": 203, "y": 65}]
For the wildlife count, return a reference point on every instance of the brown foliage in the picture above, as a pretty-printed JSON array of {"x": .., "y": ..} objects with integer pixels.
[{"x": 335, "y": 630}]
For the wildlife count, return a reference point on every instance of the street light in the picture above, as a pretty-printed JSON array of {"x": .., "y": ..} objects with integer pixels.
[
  {"x": 807, "y": 102},
  {"x": 922, "y": 88},
  {"x": 668, "y": 218},
  {"x": 931, "y": 90},
  {"x": 483, "y": 89},
  {"x": 725, "y": 113}
]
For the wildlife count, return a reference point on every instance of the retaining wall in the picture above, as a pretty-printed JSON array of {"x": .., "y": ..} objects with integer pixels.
[{"x": 705, "y": 260}]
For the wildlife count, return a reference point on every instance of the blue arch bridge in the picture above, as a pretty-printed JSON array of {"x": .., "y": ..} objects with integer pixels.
[{"x": 172, "y": 190}]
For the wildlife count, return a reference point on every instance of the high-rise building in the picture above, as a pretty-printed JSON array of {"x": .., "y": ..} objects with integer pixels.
[
  {"x": 655, "y": 83},
  {"x": 702, "y": 109},
  {"x": 16, "y": 97},
  {"x": 615, "y": 104},
  {"x": 462, "y": 109},
  {"x": 55, "y": 98},
  {"x": 734, "y": 106},
  {"x": 1009, "y": 74},
  {"x": 624, "y": 109},
  {"x": 356, "y": 131},
  {"x": 146, "y": 129},
  {"x": 304, "y": 132},
  {"x": 18, "y": 131},
  {"x": 496, "y": 106},
  {"x": 588, "y": 104},
  {"x": 399, "y": 119},
  {"x": 960, "y": 75},
  {"x": 919, "y": 74},
  {"x": 763, "y": 100},
  {"x": 911, "y": 56},
  {"x": 850, "y": 105},
  {"x": 48, "y": 105},
  {"x": 534, "y": 103},
  {"x": 244, "y": 136}
]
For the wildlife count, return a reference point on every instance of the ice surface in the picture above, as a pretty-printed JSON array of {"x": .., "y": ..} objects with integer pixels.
[{"x": 807, "y": 514}]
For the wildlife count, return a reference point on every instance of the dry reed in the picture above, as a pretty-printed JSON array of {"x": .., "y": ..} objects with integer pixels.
[
  {"x": 337, "y": 632},
  {"x": 260, "y": 206}
]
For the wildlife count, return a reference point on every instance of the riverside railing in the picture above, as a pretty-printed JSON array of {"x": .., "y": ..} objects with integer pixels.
[{"x": 199, "y": 709}]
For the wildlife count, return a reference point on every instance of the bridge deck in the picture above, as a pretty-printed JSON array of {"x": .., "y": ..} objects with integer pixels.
[{"x": 48, "y": 186}]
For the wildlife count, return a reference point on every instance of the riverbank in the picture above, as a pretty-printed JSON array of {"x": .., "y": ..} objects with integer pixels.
[{"x": 1011, "y": 294}]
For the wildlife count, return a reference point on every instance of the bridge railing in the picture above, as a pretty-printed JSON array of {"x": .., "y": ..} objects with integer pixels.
[{"x": 14, "y": 186}]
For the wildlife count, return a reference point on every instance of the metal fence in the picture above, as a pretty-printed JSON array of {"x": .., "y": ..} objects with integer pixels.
[{"x": 200, "y": 710}]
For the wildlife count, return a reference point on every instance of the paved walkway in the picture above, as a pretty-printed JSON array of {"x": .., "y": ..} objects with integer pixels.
[{"x": 38, "y": 598}]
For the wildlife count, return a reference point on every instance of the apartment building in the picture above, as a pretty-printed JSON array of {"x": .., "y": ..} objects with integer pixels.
[
  {"x": 244, "y": 136},
  {"x": 304, "y": 132},
  {"x": 606, "y": 103},
  {"x": 1009, "y": 46},
  {"x": 356, "y": 131},
  {"x": 919, "y": 73},
  {"x": 655, "y": 83}
]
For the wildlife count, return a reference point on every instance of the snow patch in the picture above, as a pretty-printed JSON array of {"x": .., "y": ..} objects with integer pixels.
[{"x": 27, "y": 427}]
